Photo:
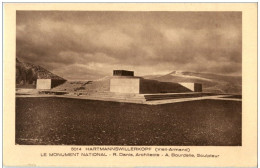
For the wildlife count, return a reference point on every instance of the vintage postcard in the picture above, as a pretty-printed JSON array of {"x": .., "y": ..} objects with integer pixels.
[{"x": 130, "y": 85}]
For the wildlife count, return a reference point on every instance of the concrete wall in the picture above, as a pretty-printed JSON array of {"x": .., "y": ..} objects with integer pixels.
[
  {"x": 125, "y": 85},
  {"x": 43, "y": 84},
  {"x": 56, "y": 82},
  {"x": 194, "y": 87},
  {"x": 154, "y": 86},
  {"x": 197, "y": 87}
]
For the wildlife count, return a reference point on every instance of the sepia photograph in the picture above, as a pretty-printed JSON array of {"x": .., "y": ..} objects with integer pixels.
[
  {"x": 128, "y": 78},
  {"x": 130, "y": 85}
]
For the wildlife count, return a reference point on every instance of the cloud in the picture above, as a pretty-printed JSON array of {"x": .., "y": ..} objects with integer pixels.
[{"x": 78, "y": 45}]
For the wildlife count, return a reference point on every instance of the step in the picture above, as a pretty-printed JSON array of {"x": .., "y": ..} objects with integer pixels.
[{"x": 175, "y": 96}]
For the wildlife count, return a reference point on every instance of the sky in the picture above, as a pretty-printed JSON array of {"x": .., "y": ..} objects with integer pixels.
[{"x": 87, "y": 45}]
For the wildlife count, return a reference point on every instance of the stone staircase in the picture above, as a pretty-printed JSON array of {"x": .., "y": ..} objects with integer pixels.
[
  {"x": 121, "y": 97},
  {"x": 142, "y": 98},
  {"x": 152, "y": 97}
]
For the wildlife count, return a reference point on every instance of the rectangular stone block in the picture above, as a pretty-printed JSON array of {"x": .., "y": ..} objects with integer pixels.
[
  {"x": 43, "y": 84},
  {"x": 194, "y": 87},
  {"x": 197, "y": 87}
]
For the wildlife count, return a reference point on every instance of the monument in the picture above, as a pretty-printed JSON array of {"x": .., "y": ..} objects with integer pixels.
[
  {"x": 124, "y": 81},
  {"x": 46, "y": 84}
]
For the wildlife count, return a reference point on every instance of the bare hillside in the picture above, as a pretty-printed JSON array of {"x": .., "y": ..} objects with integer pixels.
[
  {"x": 101, "y": 85},
  {"x": 27, "y": 73}
]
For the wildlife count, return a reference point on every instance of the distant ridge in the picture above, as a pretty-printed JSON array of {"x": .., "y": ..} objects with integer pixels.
[{"x": 27, "y": 73}]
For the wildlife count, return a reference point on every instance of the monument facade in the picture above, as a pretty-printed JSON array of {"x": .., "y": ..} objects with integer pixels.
[{"x": 125, "y": 82}]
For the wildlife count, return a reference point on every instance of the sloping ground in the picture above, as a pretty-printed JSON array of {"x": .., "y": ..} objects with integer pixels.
[
  {"x": 85, "y": 86},
  {"x": 211, "y": 82},
  {"x": 27, "y": 73}
]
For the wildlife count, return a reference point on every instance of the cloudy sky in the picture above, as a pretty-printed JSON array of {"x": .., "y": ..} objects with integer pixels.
[{"x": 89, "y": 45}]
